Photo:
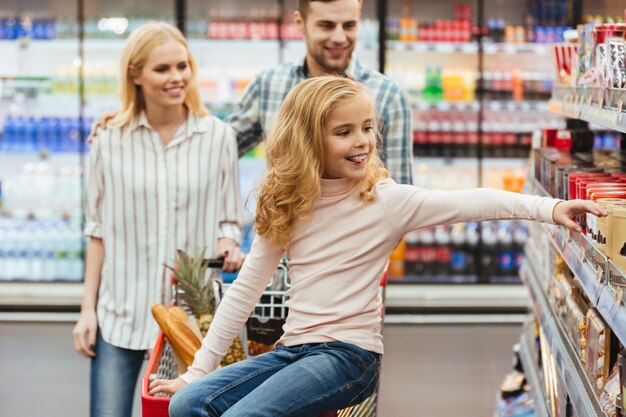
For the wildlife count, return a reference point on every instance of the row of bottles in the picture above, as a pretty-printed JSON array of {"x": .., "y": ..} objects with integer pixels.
[
  {"x": 56, "y": 134},
  {"x": 409, "y": 29},
  {"x": 451, "y": 254},
  {"x": 34, "y": 250},
  {"x": 434, "y": 84},
  {"x": 44, "y": 192}
]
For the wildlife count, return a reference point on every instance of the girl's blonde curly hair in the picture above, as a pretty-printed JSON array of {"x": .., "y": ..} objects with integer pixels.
[{"x": 295, "y": 156}]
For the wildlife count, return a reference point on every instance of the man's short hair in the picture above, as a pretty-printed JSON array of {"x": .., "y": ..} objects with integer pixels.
[{"x": 303, "y": 6}]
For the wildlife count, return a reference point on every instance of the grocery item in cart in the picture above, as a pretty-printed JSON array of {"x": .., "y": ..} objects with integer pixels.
[
  {"x": 197, "y": 293},
  {"x": 263, "y": 334},
  {"x": 178, "y": 332}
]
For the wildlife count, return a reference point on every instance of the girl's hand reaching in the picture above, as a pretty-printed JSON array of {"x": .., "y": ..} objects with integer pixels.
[
  {"x": 565, "y": 211},
  {"x": 168, "y": 386}
]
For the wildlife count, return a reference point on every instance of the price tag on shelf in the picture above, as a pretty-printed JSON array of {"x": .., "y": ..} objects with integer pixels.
[
  {"x": 619, "y": 293},
  {"x": 581, "y": 255},
  {"x": 399, "y": 46},
  {"x": 599, "y": 274},
  {"x": 469, "y": 48}
]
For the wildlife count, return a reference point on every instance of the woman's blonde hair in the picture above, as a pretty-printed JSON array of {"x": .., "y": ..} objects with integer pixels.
[
  {"x": 295, "y": 155},
  {"x": 137, "y": 49}
]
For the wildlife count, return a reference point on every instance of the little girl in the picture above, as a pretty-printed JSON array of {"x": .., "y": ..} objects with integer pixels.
[{"x": 326, "y": 200}]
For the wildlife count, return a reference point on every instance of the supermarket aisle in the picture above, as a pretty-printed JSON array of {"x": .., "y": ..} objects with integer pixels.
[{"x": 428, "y": 370}]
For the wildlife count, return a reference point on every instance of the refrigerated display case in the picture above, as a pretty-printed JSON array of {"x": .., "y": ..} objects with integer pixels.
[{"x": 477, "y": 90}]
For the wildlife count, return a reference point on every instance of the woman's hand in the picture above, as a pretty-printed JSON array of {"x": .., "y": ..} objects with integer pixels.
[
  {"x": 84, "y": 333},
  {"x": 565, "y": 211},
  {"x": 230, "y": 251},
  {"x": 168, "y": 386},
  {"x": 100, "y": 123}
]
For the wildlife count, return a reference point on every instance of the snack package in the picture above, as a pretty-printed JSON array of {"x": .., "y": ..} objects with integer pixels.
[
  {"x": 615, "y": 57},
  {"x": 598, "y": 350},
  {"x": 575, "y": 322},
  {"x": 263, "y": 334},
  {"x": 621, "y": 362},
  {"x": 610, "y": 393}
]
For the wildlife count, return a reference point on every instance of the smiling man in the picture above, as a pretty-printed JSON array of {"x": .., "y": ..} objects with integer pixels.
[{"x": 330, "y": 31}]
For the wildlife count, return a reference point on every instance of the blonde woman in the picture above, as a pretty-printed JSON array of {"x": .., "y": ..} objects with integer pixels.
[
  {"x": 326, "y": 200},
  {"x": 163, "y": 177}
]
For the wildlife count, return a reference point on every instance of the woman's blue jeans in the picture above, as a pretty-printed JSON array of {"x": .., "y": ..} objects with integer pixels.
[
  {"x": 297, "y": 381},
  {"x": 114, "y": 374}
]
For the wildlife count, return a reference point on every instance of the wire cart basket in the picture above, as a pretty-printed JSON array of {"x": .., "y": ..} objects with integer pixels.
[{"x": 162, "y": 365}]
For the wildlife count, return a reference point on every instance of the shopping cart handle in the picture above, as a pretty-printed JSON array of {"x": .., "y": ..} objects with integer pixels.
[{"x": 213, "y": 262}]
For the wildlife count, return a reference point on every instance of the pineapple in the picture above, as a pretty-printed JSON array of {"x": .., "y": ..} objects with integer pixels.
[
  {"x": 199, "y": 296},
  {"x": 197, "y": 291}
]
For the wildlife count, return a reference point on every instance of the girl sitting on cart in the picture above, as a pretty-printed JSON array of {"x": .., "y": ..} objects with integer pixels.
[{"x": 327, "y": 201}]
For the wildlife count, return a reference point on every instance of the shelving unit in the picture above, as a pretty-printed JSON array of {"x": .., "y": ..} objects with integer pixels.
[
  {"x": 529, "y": 362},
  {"x": 602, "y": 107},
  {"x": 592, "y": 269},
  {"x": 568, "y": 365},
  {"x": 601, "y": 281}
]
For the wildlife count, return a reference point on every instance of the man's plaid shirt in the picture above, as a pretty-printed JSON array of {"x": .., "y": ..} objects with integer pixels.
[{"x": 261, "y": 101}]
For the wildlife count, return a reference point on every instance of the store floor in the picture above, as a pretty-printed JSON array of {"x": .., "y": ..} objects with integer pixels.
[{"x": 428, "y": 370}]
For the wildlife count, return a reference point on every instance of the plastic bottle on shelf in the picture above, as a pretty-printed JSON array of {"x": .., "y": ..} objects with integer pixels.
[
  {"x": 489, "y": 261},
  {"x": 505, "y": 256},
  {"x": 472, "y": 238},
  {"x": 458, "y": 258},
  {"x": 9, "y": 136}
]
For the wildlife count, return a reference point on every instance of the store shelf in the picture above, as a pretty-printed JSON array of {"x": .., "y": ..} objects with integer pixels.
[
  {"x": 491, "y": 105},
  {"x": 531, "y": 371},
  {"x": 590, "y": 266},
  {"x": 446, "y": 105},
  {"x": 38, "y": 295},
  {"x": 470, "y": 47},
  {"x": 568, "y": 365},
  {"x": 438, "y": 47},
  {"x": 532, "y": 186},
  {"x": 592, "y": 269},
  {"x": 456, "y": 296},
  {"x": 608, "y": 118},
  {"x": 516, "y": 48},
  {"x": 516, "y": 106}
]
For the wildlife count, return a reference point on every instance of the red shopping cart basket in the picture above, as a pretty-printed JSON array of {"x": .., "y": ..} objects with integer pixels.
[{"x": 162, "y": 364}]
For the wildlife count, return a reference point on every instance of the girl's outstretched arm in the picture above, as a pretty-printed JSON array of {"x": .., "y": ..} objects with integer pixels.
[
  {"x": 235, "y": 308},
  {"x": 410, "y": 208}
]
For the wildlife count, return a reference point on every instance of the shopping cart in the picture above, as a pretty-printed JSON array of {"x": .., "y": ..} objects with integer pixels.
[{"x": 272, "y": 305}]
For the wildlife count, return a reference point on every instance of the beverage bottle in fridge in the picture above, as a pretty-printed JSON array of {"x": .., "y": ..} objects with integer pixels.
[
  {"x": 489, "y": 259},
  {"x": 412, "y": 258},
  {"x": 443, "y": 254},
  {"x": 458, "y": 258},
  {"x": 505, "y": 244},
  {"x": 428, "y": 252},
  {"x": 29, "y": 139},
  {"x": 8, "y": 138},
  {"x": 397, "y": 261}
]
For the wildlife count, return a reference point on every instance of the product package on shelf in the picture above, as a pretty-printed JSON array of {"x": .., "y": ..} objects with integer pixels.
[
  {"x": 575, "y": 324},
  {"x": 611, "y": 394},
  {"x": 598, "y": 350}
]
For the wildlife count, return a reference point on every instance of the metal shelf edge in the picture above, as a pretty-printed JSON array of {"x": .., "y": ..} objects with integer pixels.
[
  {"x": 457, "y": 296},
  {"x": 568, "y": 365},
  {"x": 532, "y": 375}
]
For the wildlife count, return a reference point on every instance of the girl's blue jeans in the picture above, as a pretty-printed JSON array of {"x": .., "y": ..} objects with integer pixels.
[
  {"x": 114, "y": 373},
  {"x": 297, "y": 381}
]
